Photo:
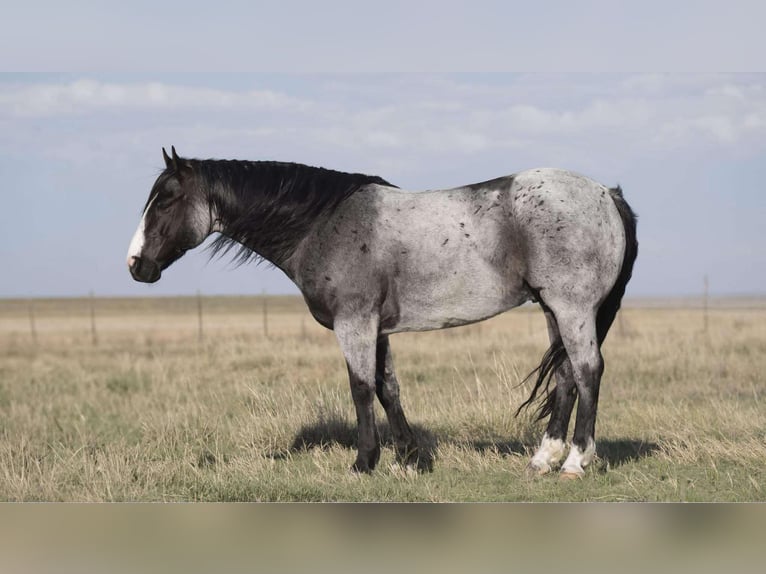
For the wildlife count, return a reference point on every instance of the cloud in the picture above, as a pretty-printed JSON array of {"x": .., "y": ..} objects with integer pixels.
[
  {"x": 395, "y": 119},
  {"x": 653, "y": 110},
  {"x": 87, "y": 96},
  {"x": 687, "y": 148}
]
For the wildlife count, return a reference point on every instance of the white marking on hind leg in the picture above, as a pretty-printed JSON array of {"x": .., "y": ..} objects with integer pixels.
[
  {"x": 578, "y": 460},
  {"x": 550, "y": 451}
]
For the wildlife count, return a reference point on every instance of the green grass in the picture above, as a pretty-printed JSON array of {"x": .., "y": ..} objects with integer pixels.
[{"x": 150, "y": 413}]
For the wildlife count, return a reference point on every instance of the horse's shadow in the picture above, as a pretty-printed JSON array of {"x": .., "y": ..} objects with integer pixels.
[
  {"x": 338, "y": 431},
  {"x": 624, "y": 450},
  {"x": 614, "y": 452}
]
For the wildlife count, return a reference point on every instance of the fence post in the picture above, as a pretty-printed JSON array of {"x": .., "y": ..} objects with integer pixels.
[
  {"x": 705, "y": 303},
  {"x": 32, "y": 326},
  {"x": 200, "y": 332},
  {"x": 620, "y": 323},
  {"x": 93, "y": 332},
  {"x": 529, "y": 323},
  {"x": 265, "y": 314}
]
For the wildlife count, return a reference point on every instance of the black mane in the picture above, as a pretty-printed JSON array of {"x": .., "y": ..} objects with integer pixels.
[{"x": 267, "y": 207}]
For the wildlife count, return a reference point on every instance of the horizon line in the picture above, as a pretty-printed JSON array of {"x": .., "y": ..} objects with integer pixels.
[{"x": 698, "y": 295}]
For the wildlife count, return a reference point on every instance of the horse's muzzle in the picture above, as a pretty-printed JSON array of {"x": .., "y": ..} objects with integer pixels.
[{"x": 144, "y": 270}]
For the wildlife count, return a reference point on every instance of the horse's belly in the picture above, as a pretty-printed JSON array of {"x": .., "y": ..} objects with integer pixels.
[
  {"x": 430, "y": 319},
  {"x": 450, "y": 303}
]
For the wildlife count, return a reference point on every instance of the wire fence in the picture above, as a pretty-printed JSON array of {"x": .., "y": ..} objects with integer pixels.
[{"x": 272, "y": 316}]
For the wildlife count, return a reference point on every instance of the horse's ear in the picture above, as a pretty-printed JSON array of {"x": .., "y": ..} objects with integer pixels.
[
  {"x": 179, "y": 165},
  {"x": 168, "y": 162}
]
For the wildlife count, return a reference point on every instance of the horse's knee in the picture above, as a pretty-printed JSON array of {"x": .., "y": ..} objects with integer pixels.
[
  {"x": 588, "y": 367},
  {"x": 362, "y": 390},
  {"x": 388, "y": 392}
]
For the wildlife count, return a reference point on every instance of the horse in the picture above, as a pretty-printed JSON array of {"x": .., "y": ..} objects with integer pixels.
[{"x": 372, "y": 260}]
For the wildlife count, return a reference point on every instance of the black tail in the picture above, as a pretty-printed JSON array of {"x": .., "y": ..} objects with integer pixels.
[
  {"x": 556, "y": 354},
  {"x": 608, "y": 310}
]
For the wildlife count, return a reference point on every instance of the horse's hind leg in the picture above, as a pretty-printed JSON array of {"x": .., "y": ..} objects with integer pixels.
[
  {"x": 578, "y": 333},
  {"x": 387, "y": 389},
  {"x": 357, "y": 337},
  {"x": 553, "y": 445}
]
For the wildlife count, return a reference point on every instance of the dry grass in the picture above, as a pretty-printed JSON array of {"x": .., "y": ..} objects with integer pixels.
[{"x": 151, "y": 413}]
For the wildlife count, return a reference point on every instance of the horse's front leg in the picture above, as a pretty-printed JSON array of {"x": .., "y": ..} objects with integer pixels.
[
  {"x": 357, "y": 336},
  {"x": 387, "y": 388}
]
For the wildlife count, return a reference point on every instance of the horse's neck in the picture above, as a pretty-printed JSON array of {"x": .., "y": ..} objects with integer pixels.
[
  {"x": 228, "y": 207},
  {"x": 274, "y": 222}
]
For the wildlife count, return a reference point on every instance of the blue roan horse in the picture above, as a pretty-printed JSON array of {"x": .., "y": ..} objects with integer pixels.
[{"x": 372, "y": 260}]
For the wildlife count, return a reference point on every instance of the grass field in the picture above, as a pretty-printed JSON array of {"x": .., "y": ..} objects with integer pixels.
[{"x": 146, "y": 411}]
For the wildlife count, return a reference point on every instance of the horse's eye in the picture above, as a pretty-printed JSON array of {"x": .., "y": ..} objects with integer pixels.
[{"x": 168, "y": 202}]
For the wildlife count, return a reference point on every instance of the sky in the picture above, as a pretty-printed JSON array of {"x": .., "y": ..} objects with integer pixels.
[
  {"x": 395, "y": 35},
  {"x": 79, "y": 153}
]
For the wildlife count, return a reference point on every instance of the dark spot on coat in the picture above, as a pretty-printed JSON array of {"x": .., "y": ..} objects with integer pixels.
[
  {"x": 468, "y": 235},
  {"x": 364, "y": 248},
  {"x": 477, "y": 210},
  {"x": 326, "y": 278},
  {"x": 445, "y": 242},
  {"x": 539, "y": 203},
  {"x": 462, "y": 224}
]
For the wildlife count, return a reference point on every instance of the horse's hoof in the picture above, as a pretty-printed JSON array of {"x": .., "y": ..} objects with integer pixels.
[
  {"x": 407, "y": 464},
  {"x": 408, "y": 459},
  {"x": 571, "y": 475},
  {"x": 358, "y": 468},
  {"x": 404, "y": 471},
  {"x": 533, "y": 470}
]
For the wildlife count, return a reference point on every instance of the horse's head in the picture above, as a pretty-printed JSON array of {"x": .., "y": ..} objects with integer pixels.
[{"x": 176, "y": 218}]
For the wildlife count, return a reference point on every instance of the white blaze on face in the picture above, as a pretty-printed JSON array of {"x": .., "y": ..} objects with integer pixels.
[{"x": 137, "y": 243}]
